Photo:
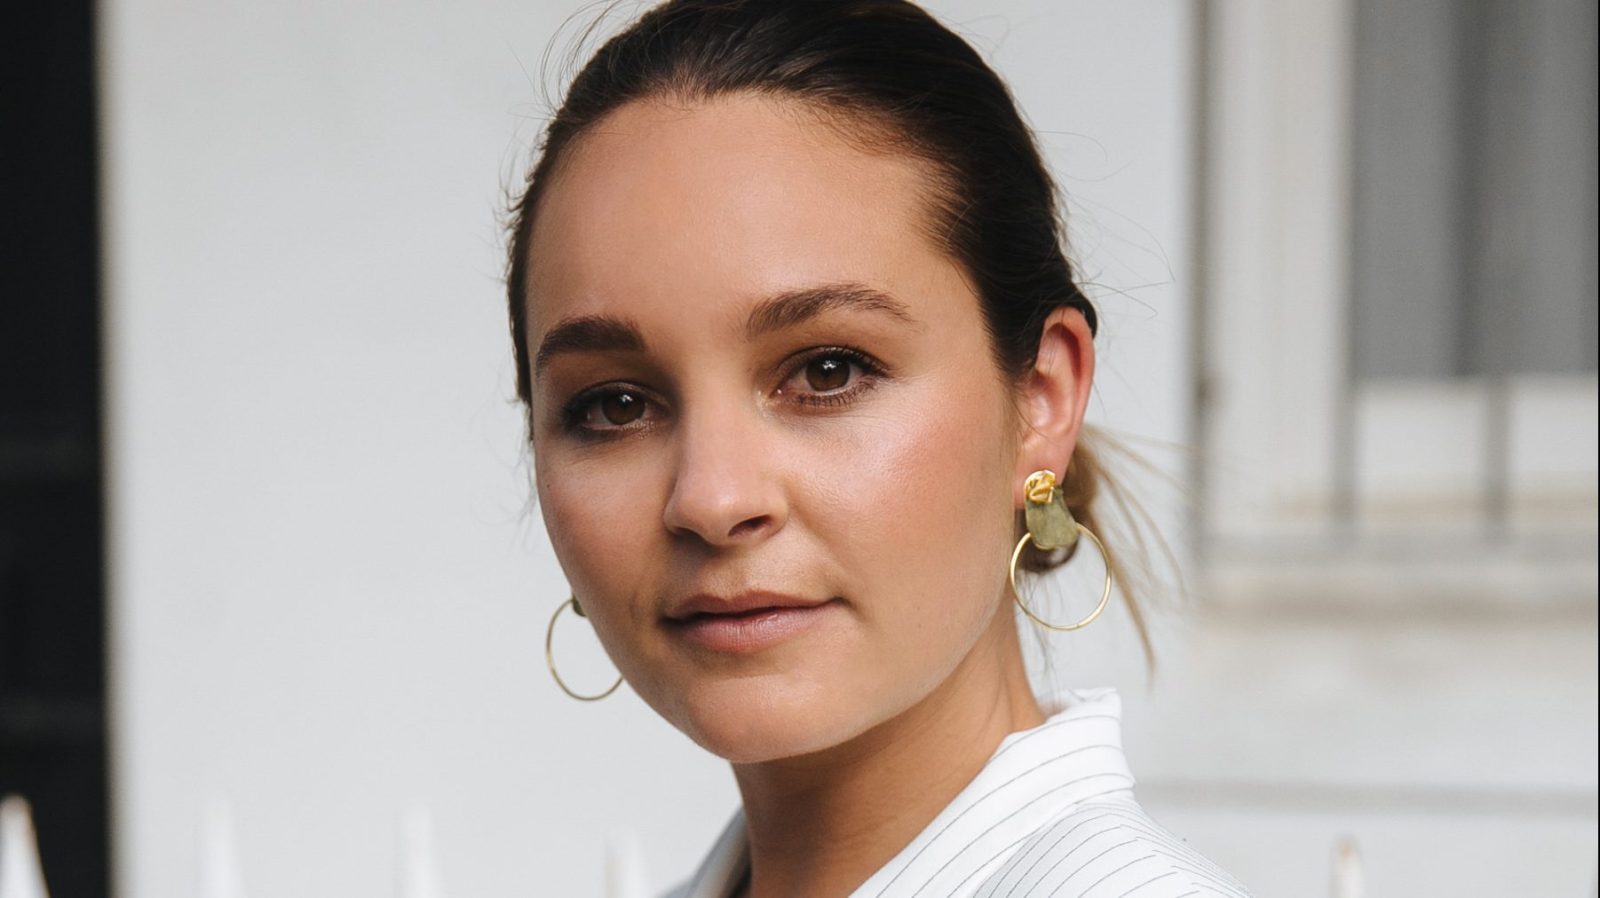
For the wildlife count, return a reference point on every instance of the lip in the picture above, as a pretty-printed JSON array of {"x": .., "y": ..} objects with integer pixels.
[
  {"x": 755, "y": 622},
  {"x": 740, "y": 603}
]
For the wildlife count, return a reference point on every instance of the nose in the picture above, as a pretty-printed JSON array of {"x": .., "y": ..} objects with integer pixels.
[{"x": 725, "y": 487}]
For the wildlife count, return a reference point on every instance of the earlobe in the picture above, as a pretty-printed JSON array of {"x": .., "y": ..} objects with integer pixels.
[{"x": 1055, "y": 395}]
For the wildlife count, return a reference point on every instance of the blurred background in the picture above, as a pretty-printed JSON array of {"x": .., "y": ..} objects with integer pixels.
[{"x": 273, "y": 590}]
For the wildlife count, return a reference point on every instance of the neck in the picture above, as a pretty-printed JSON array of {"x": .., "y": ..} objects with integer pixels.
[{"x": 823, "y": 823}]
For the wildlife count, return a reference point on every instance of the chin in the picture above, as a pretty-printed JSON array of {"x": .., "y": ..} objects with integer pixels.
[{"x": 756, "y": 719}]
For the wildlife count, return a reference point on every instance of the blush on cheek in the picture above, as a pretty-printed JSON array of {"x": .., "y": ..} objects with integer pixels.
[
  {"x": 945, "y": 469},
  {"x": 928, "y": 518}
]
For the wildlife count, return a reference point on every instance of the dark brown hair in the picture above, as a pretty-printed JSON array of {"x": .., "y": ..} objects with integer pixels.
[{"x": 887, "y": 75}]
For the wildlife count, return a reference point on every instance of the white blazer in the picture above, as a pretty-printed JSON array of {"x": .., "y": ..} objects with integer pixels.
[{"x": 1052, "y": 813}]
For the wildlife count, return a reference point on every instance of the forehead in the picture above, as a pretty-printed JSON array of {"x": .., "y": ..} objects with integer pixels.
[{"x": 700, "y": 208}]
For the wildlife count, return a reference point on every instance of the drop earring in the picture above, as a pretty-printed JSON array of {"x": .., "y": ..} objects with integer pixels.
[{"x": 1052, "y": 526}]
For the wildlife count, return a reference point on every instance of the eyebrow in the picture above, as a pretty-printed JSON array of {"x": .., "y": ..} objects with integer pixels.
[
  {"x": 793, "y": 307},
  {"x": 588, "y": 333},
  {"x": 610, "y": 333}
]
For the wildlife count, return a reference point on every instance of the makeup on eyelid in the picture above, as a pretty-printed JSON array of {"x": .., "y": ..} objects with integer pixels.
[{"x": 580, "y": 408}]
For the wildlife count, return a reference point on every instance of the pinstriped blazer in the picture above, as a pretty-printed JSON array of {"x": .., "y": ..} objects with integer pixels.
[{"x": 1051, "y": 815}]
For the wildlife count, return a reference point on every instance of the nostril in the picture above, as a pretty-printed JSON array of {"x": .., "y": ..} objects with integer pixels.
[{"x": 752, "y": 525}]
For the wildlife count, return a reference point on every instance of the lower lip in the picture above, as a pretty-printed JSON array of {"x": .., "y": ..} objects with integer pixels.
[{"x": 741, "y": 634}]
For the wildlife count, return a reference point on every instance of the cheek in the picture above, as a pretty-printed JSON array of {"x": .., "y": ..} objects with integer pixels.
[
  {"x": 592, "y": 521},
  {"x": 926, "y": 520},
  {"x": 601, "y": 531}
]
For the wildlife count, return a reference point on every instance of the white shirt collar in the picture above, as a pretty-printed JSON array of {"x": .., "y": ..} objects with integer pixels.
[{"x": 1031, "y": 778}]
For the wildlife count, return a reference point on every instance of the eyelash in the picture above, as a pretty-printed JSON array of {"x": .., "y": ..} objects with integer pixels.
[{"x": 576, "y": 410}]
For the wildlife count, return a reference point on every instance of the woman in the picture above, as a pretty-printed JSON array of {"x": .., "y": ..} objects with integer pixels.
[{"x": 805, "y": 370}]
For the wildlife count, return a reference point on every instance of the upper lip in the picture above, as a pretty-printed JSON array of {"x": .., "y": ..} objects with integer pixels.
[{"x": 751, "y": 600}]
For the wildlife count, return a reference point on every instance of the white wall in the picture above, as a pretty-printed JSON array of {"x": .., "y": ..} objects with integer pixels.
[{"x": 328, "y": 589}]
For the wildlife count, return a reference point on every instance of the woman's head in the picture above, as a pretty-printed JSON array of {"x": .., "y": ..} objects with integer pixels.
[{"x": 791, "y": 316}]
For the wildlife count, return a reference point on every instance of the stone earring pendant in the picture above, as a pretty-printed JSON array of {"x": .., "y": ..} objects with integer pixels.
[{"x": 1050, "y": 524}]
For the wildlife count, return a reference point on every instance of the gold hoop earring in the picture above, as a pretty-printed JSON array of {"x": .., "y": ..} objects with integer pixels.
[
  {"x": 550, "y": 658},
  {"x": 1052, "y": 526}
]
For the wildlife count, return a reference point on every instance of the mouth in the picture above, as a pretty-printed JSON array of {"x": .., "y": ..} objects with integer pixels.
[
  {"x": 746, "y": 624},
  {"x": 744, "y": 603}
]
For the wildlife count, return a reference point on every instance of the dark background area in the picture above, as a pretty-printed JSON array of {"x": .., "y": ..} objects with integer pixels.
[{"x": 52, "y": 569}]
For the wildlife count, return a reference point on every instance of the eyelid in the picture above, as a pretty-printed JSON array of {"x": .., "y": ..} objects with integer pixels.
[
  {"x": 872, "y": 373},
  {"x": 868, "y": 365},
  {"x": 573, "y": 411}
]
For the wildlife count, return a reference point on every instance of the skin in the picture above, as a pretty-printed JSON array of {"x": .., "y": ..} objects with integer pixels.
[{"x": 896, "y": 501}]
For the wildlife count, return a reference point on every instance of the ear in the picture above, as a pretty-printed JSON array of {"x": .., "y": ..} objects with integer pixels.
[{"x": 1053, "y": 397}]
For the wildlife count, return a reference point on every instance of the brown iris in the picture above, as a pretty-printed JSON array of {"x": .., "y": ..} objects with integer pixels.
[
  {"x": 826, "y": 374},
  {"x": 621, "y": 408}
]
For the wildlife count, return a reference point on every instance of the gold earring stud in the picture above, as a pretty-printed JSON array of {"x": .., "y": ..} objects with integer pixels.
[{"x": 1052, "y": 526}]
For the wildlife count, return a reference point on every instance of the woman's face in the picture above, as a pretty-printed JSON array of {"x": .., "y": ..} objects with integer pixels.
[{"x": 759, "y": 383}]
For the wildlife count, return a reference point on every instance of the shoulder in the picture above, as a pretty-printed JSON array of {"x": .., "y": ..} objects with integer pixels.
[{"x": 1104, "y": 847}]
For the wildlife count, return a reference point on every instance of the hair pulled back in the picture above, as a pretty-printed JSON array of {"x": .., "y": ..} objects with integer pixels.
[{"x": 886, "y": 75}]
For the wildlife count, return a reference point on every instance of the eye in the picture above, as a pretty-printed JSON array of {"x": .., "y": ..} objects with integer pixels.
[
  {"x": 827, "y": 374},
  {"x": 621, "y": 408},
  {"x": 831, "y": 376},
  {"x": 603, "y": 409}
]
